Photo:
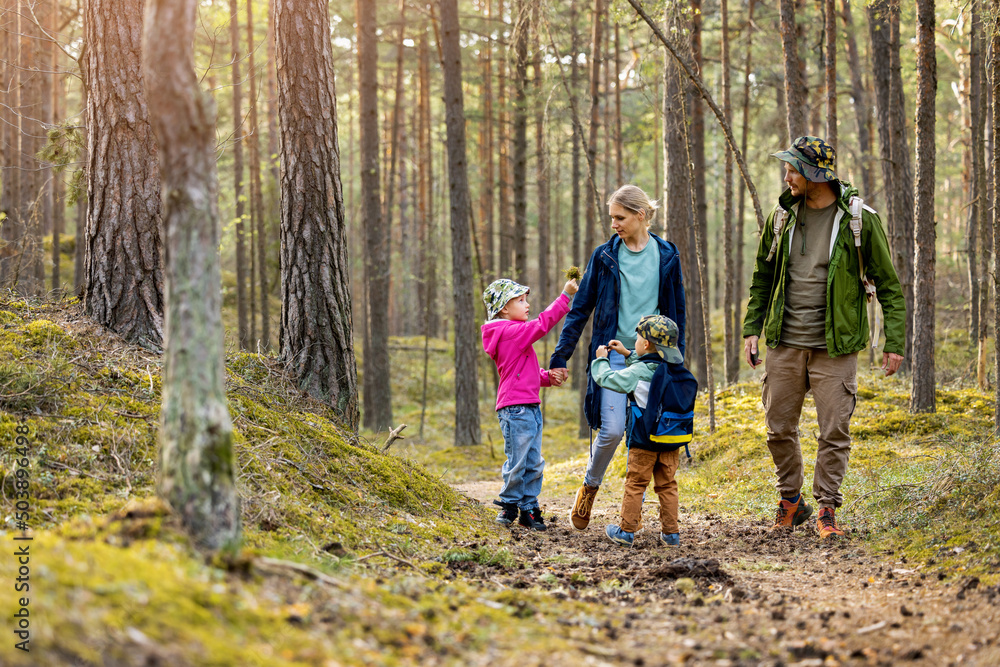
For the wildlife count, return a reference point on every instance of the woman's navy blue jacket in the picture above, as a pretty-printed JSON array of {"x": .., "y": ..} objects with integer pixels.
[{"x": 600, "y": 290}]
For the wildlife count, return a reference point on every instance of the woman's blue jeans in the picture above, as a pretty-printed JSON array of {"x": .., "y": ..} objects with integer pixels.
[{"x": 613, "y": 414}]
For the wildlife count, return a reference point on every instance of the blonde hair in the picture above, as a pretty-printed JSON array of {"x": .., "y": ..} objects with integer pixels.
[{"x": 633, "y": 198}]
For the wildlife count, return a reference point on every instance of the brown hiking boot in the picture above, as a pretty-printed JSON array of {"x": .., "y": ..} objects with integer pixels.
[
  {"x": 579, "y": 516},
  {"x": 826, "y": 524},
  {"x": 791, "y": 514}
]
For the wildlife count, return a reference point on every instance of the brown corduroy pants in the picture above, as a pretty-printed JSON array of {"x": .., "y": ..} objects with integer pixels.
[
  {"x": 788, "y": 374},
  {"x": 661, "y": 467}
]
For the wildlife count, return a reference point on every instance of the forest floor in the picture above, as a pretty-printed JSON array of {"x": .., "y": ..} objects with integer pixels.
[
  {"x": 353, "y": 555},
  {"x": 759, "y": 597}
]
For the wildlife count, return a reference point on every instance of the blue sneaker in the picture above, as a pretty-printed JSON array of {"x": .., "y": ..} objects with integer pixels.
[
  {"x": 619, "y": 536},
  {"x": 671, "y": 540}
]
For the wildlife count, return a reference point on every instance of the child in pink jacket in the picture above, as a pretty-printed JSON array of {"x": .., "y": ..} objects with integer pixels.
[{"x": 508, "y": 338}]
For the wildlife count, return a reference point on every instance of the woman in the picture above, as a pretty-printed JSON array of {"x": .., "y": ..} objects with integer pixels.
[{"x": 635, "y": 273}]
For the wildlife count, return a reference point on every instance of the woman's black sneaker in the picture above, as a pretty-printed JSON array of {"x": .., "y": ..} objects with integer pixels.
[
  {"x": 532, "y": 519},
  {"x": 507, "y": 514}
]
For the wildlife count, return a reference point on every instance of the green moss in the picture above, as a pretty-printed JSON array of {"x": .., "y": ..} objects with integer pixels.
[{"x": 43, "y": 333}]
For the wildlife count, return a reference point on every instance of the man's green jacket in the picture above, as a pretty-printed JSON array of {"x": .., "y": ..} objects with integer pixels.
[{"x": 846, "y": 309}]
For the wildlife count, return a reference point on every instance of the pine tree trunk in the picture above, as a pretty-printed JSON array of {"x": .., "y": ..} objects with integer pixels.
[
  {"x": 466, "y": 384},
  {"x": 696, "y": 302},
  {"x": 879, "y": 34},
  {"x": 619, "y": 148},
  {"x": 859, "y": 92},
  {"x": 795, "y": 89},
  {"x": 486, "y": 189},
  {"x": 590, "y": 216},
  {"x": 922, "y": 398},
  {"x": 901, "y": 233},
  {"x": 995, "y": 218},
  {"x": 256, "y": 192},
  {"x": 504, "y": 220},
  {"x": 830, "y": 30},
  {"x": 316, "y": 340},
  {"x": 11, "y": 230},
  {"x": 58, "y": 184},
  {"x": 79, "y": 254},
  {"x": 738, "y": 233},
  {"x": 577, "y": 251},
  {"x": 676, "y": 179},
  {"x": 732, "y": 342},
  {"x": 377, "y": 388},
  {"x": 197, "y": 475},
  {"x": 542, "y": 164},
  {"x": 31, "y": 94},
  {"x": 976, "y": 157},
  {"x": 238, "y": 227},
  {"x": 124, "y": 279},
  {"x": 519, "y": 141},
  {"x": 429, "y": 273},
  {"x": 985, "y": 221}
]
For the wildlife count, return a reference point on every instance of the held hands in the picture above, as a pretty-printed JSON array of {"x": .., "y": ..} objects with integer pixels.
[
  {"x": 557, "y": 376},
  {"x": 618, "y": 347},
  {"x": 571, "y": 287},
  {"x": 750, "y": 351},
  {"x": 602, "y": 352}
]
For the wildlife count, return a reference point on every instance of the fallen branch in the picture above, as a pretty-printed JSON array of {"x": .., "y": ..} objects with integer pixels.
[
  {"x": 298, "y": 568},
  {"x": 394, "y": 435}
]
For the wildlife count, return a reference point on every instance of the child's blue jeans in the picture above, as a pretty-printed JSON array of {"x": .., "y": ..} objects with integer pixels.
[{"x": 522, "y": 443}]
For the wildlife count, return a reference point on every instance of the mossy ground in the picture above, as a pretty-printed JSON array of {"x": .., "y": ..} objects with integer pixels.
[{"x": 384, "y": 537}]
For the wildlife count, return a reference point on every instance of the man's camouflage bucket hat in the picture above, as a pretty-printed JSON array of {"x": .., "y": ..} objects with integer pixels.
[
  {"x": 663, "y": 332},
  {"x": 812, "y": 157},
  {"x": 499, "y": 293}
]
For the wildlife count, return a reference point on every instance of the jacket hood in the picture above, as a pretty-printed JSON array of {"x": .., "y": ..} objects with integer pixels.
[{"x": 492, "y": 333}]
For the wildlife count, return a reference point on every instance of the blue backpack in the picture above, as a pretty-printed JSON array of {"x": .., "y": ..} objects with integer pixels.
[{"x": 667, "y": 421}]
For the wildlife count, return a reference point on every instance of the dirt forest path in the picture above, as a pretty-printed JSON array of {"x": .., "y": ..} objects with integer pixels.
[{"x": 774, "y": 600}]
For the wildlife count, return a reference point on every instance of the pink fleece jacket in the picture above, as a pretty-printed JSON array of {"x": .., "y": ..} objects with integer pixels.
[{"x": 508, "y": 342}]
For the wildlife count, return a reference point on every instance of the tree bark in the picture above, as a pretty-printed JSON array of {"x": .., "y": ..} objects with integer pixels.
[
  {"x": 901, "y": 233},
  {"x": 830, "y": 30},
  {"x": 732, "y": 343},
  {"x": 58, "y": 184},
  {"x": 256, "y": 192},
  {"x": 197, "y": 474},
  {"x": 377, "y": 388},
  {"x": 28, "y": 242},
  {"x": 738, "y": 252},
  {"x": 922, "y": 397},
  {"x": 241, "y": 246},
  {"x": 486, "y": 190},
  {"x": 995, "y": 156},
  {"x": 316, "y": 340},
  {"x": 504, "y": 219},
  {"x": 879, "y": 34},
  {"x": 976, "y": 153},
  {"x": 124, "y": 278},
  {"x": 795, "y": 90},
  {"x": 519, "y": 141},
  {"x": 542, "y": 164},
  {"x": 862, "y": 112},
  {"x": 574, "y": 84},
  {"x": 619, "y": 147},
  {"x": 696, "y": 302},
  {"x": 12, "y": 229},
  {"x": 466, "y": 385},
  {"x": 429, "y": 273}
]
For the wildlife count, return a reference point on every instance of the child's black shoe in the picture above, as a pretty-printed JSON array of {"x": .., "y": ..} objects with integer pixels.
[
  {"x": 532, "y": 519},
  {"x": 507, "y": 514}
]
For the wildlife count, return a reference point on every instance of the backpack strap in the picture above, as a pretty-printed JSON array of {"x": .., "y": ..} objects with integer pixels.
[
  {"x": 856, "y": 205},
  {"x": 779, "y": 222}
]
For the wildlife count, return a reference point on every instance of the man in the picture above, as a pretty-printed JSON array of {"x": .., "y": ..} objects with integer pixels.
[{"x": 808, "y": 294}]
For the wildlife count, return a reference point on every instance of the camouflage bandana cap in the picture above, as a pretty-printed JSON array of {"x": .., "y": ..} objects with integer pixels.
[
  {"x": 663, "y": 332},
  {"x": 812, "y": 157},
  {"x": 499, "y": 293}
]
